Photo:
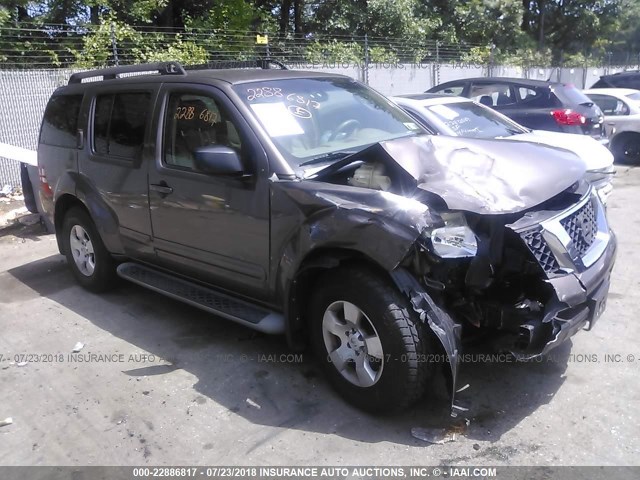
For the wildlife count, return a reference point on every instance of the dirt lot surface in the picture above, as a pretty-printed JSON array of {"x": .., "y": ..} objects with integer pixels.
[{"x": 158, "y": 382}]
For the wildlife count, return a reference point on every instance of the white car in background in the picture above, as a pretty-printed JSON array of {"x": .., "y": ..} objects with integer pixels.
[
  {"x": 621, "y": 108},
  {"x": 458, "y": 116}
]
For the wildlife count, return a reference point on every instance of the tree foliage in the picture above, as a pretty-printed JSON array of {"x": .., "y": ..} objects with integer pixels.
[{"x": 491, "y": 29}]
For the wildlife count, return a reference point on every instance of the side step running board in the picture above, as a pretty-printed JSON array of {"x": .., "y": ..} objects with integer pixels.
[{"x": 252, "y": 316}]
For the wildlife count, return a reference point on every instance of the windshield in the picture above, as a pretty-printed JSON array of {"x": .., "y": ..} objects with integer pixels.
[
  {"x": 315, "y": 120},
  {"x": 470, "y": 120}
]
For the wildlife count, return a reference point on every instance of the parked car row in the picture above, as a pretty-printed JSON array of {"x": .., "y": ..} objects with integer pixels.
[
  {"x": 606, "y": 113},
  {"x": 458, "y": 116},
  {"x": 535, "y": 104},
  {"x": 309, "y": 205}
]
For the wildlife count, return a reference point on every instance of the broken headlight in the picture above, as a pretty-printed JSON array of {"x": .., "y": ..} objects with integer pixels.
[{"x": 455, "y": 239}]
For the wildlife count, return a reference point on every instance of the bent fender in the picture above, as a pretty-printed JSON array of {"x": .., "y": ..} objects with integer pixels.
[{"x": 440, "y": 322}]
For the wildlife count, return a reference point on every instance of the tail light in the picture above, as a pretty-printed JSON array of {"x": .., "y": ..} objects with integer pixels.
[
  {"x": 44, "y": 184},
  {"x": 568, "y": 117}
]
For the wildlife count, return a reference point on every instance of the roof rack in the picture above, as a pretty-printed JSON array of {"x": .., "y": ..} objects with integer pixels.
[
  {"x": 263, "y": 63},
  {"x": 163, "y": 68}
]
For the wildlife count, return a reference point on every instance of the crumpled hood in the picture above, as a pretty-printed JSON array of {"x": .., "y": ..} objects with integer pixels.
[{"x": 485, "y": 176}]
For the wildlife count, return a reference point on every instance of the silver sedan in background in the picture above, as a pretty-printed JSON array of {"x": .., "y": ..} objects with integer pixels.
[{"x": 621, "y": 108}]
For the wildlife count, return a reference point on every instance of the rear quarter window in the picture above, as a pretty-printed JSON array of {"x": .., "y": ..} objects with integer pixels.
[
  {"x": 453, "y": 90},
  {"x": 569, "y": 94},
  {"x": 119, "y": 124},
  {"x": 60, "y": 122}
]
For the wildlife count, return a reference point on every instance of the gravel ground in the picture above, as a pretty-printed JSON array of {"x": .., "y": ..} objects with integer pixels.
[{"x": 161, "y": 383}]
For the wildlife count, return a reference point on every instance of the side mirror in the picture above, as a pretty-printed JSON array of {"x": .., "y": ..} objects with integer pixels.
[{"x": 218, "y": 160}]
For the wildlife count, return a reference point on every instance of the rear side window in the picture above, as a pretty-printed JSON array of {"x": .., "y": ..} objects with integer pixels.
[
  {"x": 451, "y": 90},
  {"x": 533, "y": 97},
  {"x": 602, "y": 83},
  {"x": 620, "y": 81},
  {"x": 119, "y": 124},
  {"x": 60, "y": 123},
  {"x": 492, "y": 94},
  {"x": 609, "y": 105},
  {"x": 569, "y": 94}
]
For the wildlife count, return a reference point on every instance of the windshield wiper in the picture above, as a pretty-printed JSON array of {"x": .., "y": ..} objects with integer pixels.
[{"x": 328, "y": 157}]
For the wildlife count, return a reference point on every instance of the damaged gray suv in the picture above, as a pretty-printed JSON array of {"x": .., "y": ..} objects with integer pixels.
[{"x": 309, "y": 205}]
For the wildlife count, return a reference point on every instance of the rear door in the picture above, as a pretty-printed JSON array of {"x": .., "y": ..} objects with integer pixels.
[
  {"x": 534, "y": 107},
  {"x": 113, "y": 165},
  {"x": 211, "y": 228}
]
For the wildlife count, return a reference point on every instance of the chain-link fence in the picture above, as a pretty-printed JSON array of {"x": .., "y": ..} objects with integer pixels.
[
  {"x": 34, "y": 61},
  {"x": 53, "y": 46},
  {"x": 23, "y": 97}
]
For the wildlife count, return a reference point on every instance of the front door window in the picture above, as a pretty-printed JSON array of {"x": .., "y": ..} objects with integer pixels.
[{"x": 194, "y": 121}]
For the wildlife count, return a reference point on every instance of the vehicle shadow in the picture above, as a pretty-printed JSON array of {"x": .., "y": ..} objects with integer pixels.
[
  {"x": 233, "y": 364},
  {"x": 30, "y": 231}
]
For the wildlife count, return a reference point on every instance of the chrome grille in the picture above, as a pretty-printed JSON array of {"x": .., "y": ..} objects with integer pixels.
[
  {"x": 582, "y": 227},
  {"x": 540, "y": 250}
]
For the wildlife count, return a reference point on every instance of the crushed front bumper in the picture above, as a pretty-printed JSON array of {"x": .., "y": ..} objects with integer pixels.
[
  {"x": 577, "y": 250},
  {"x": 580, "y": 301}
]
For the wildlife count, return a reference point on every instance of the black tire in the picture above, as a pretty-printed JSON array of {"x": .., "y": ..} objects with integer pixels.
[
  {"x": 404, "y": 340},
  {"x": 626, "y": 149},
  {"x": 103, "y": 275},
  {"x": 27, "y": 189}
]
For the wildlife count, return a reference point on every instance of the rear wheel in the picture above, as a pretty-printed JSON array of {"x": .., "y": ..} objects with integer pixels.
[
  {"x": 368, "y": 340},
  {"x": 626, "y": 149},
  {"x": 87, "y": 256}
]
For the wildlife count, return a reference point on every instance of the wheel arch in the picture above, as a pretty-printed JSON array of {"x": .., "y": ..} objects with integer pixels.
[
  {"x": 102, "y": 215},
  {"x": 63, "y": 204},
  {"x": 315, "y": 264}
]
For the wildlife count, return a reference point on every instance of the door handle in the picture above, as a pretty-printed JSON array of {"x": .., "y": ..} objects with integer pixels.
[{"x": 162, "y": 188}]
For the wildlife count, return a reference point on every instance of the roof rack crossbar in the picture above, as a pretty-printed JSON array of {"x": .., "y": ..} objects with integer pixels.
[
  {"x": 263, "y": 63},
  {"x": 163, "y": 68}
]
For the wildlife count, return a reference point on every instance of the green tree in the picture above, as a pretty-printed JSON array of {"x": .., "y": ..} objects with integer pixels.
[{"x": 490, "y": 21}]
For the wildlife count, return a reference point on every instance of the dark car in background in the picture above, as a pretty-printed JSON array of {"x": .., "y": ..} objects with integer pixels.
[
  {"x": 628, "y": 79},
  {"x": 536, "y": 104}
]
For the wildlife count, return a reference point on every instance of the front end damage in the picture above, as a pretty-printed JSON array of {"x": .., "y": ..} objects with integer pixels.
[
  {"x": 538, "y": 268},
  {"x": 534, "y": 282}
]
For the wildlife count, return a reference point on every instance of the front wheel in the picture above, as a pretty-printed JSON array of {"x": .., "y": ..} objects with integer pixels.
[
  {"x": 368, "y": 340},
  {"x": 90, "y": 262}
]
